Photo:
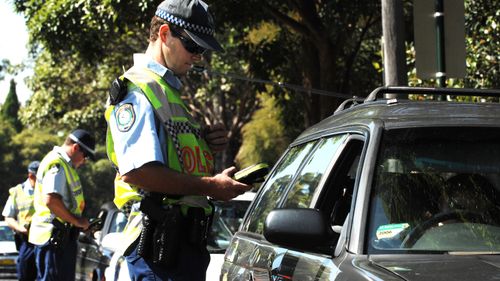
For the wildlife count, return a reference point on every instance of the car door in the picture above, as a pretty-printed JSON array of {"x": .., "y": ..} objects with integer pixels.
[{"x": 320, "y": 174}]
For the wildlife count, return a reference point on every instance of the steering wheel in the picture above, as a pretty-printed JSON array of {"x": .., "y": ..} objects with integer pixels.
[{"x": 463, "y": 216}]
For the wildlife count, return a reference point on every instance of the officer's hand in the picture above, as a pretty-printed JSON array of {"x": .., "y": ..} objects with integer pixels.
[
  {"x": 226, "y": 188},
  {"x": 22, "y": 229},
  {"x": 216, "y": 137},
  {"x": 83, "y": 223}
]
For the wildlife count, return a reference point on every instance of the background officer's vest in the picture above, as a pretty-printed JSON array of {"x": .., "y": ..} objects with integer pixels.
[
  {"x": 24, "y": 204},
  {"x": 41, "y": 223},
  {"x": 187, "y": 150}
]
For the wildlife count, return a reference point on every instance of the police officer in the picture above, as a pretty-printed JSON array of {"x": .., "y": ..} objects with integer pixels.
[
  {"x": 161, "y": 152},
  {"x": 18, "y": 212},
  {"x": 59, "y": 204}
]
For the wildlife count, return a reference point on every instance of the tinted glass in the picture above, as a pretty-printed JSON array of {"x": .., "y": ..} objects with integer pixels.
[
  {"x": 227, "y": 218},
  {"x": 118, "y": 223},
  {"x": 310, "y": 176},
  {"x": 436, "y": 189},
  {"x": 6, "y": 234},
  {"x": 275, "y": 186}
]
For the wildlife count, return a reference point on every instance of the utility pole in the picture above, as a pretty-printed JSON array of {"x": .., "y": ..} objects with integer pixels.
[{"x": 394, "y": 50}]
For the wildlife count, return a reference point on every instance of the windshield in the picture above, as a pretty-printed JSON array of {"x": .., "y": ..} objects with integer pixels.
[{"x": 436, "y": 189}]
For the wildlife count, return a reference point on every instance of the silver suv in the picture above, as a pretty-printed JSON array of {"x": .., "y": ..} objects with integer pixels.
[{"x": 385, "y": 189}]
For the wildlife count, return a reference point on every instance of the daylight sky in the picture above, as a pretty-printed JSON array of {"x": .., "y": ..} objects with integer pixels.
[{"x": 13, "y": 47}]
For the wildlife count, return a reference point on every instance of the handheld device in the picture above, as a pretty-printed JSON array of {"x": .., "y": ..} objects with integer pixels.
[{"x": 252, "y": 174}]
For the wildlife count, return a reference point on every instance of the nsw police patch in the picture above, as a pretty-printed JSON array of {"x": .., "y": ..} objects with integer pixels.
[{"x": 125, "y": 117}]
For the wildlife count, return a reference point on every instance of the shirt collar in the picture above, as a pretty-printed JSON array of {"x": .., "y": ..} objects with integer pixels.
[
  {"x": 27, "y": 188},
  {"x": 63, "y": 153},
  {"x": 143, "y": 60}
]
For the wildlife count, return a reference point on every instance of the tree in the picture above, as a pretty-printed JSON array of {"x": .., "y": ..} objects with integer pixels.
[
  {"x": 482, "y": 38},
  {"x": 6, "y": 159},
  {"x": 264, "y": 138},
  {"x": 10, "y": 107},
  {"x": 321, "y": 44}
]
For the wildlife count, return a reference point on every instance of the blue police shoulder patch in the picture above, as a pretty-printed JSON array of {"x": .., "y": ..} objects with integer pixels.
[{"x": 125, "y": 117}]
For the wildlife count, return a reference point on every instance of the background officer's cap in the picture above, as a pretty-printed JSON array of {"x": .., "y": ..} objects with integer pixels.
[
  {"x": 194, "y": 18},
  {"x": 33, "y": 167},
  {"x": 85, "y": 140}
]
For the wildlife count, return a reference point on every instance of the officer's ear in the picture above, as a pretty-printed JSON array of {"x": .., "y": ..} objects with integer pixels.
[{"x": 163, "y": 32}]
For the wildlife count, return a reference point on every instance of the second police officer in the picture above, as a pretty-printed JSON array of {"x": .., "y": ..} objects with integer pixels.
[
  {"x": 163, "y": 156},
  {"x": 18, "y": 212},
  {"x": 59, "y": 204}
]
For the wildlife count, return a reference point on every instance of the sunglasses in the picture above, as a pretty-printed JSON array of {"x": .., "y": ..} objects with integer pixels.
[
  {"x": 187, "y": 43},
  {"x": 85, "y": 153}
]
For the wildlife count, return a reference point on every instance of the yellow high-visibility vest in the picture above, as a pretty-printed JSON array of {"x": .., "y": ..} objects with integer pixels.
[
  {"x": 187, "y": 150},
  {"x": 41, "y": 223},
  {"x": 24, "y": 204}
]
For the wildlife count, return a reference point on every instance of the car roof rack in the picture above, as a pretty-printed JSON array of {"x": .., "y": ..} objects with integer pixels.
[
  {"x": 432, "y": 91},
  {"x": 348, "y": 103}
]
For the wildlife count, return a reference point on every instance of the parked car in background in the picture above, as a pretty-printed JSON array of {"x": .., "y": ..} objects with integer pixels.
[
  {"x": 385, "y": 189},
  {"x": 94, "y": 254},
  {"x": 227, "y": 218},
  {"x": 8, "y": 253}
]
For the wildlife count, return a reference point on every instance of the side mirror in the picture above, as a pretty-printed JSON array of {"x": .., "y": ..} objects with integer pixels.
[{"x": 303, "y": 229}]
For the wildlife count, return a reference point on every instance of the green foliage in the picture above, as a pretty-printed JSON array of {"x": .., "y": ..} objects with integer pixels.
[
  {"x": 10, "y": 107},
  {"x": 97, "y": 181},
  {"x": 264, "y": 136},
  {"x": 6, "y": 159},
  {"x": 66, "y": 96},
  {"x": 18, "y": 150},
  {"x": 482, "y": 33},
  {"x": 4, "y": 65}
]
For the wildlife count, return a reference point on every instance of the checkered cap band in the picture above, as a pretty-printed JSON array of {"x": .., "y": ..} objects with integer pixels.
[{"x": 184, "y": 24}]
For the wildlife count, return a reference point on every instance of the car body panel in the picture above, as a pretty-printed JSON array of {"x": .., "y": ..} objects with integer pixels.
[
  {"x": 92, "y": 256},
  {"x": 251, "y": 257},
  {"x": 8, "y": 252}
]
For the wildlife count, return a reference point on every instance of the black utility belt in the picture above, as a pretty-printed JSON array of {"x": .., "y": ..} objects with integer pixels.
[
  {"x": 62, "y": 233},
  {"x": 165, "y": 226}
]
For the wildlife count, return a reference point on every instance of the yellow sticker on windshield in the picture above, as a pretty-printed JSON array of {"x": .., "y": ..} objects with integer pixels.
[{"x": 390, "y": 230}]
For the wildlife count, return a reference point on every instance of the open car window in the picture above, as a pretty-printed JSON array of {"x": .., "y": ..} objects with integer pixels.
[{"x": 436, "y": 189}]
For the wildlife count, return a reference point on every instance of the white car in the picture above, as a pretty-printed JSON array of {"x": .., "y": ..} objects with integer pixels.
[
  {"x": 8, "y": 252},
  {"x": 227, "y": 219}
]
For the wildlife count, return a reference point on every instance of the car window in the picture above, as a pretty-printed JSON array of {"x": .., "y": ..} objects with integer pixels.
[
  {"x": 436, "y": 189},
  {"x": 6, "y": 234},
  {"x": 276, "y": 186},
  {"x": 305, "y": 184},
  {"x": 118, "y": 223},
  {"x": 226, "y": 221}
]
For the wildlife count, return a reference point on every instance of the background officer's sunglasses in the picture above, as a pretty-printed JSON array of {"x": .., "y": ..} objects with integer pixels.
[{"x": 188, "y": 44}]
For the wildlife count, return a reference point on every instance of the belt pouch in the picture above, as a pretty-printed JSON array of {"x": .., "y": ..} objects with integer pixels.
[
  {"x": 198, "y": 224},
  {"x": 167, "y": 237},
  {"x": 60, "y": 234}
]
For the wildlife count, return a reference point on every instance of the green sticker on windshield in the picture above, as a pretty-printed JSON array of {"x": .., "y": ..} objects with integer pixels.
[{"x": 390, "y": 230}]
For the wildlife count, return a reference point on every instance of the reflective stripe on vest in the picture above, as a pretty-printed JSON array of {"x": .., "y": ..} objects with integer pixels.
[
  {"x": 41, "y": 223},
  {"x": 24, "y": 204}
]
